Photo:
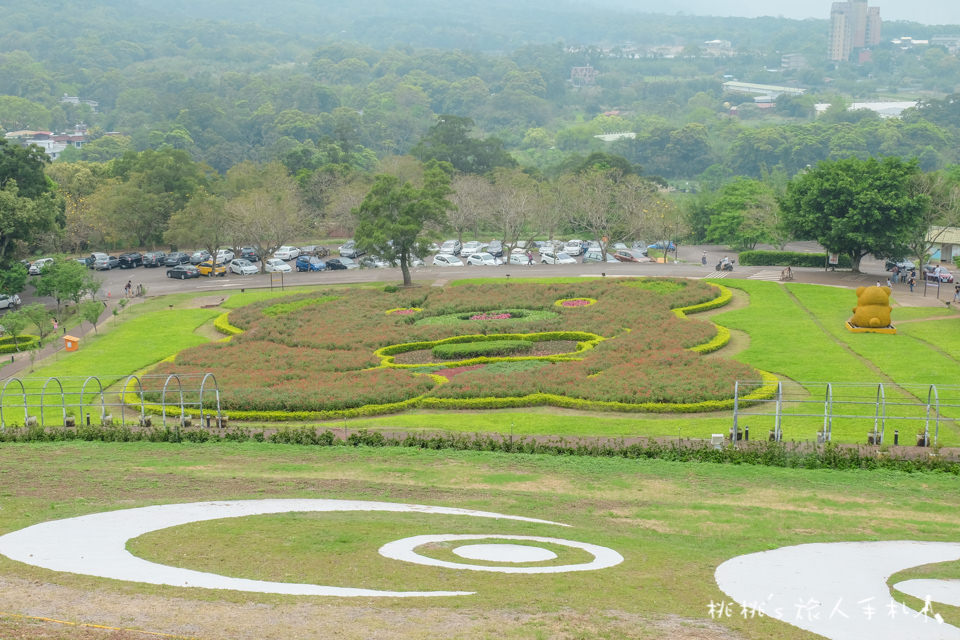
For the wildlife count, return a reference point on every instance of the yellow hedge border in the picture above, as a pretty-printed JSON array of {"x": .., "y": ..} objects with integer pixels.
[
  {"x": 722, "y": 336},
  {"x": 585, "y": 341},
  {"x": 222, "y": 324}
]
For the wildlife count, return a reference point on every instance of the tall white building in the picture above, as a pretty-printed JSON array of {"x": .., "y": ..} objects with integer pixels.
[{"x": 853, "y": 25}]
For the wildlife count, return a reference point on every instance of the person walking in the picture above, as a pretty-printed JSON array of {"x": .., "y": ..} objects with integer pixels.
[
  {"x": 911, "y": 281},
  {"x": 529, "y": 258},
  {"x": 127, "y": 288},
  {"x": 703, "y": 259},
  {"x": 956, "y": 292}
]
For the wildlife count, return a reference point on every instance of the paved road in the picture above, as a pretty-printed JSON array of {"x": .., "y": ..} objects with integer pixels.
[{"x": 688, "y": 265}]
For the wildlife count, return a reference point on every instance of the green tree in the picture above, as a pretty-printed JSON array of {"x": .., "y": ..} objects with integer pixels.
[
  {"x": 24, "y": 219},
  {"x": 66, "y": 280},
  {"x": 14, "y": 322},
  {"x": 37, "y": 315},
  {"x": 90, "y": 311},
  {"x": 743, "y": 214},
  {"x": 856, "y": 206},
  {"x": 396, "y": 218},
  {"x": 204, "y": 222},
  {"x": 13, "y": 279},
  {"x": 449, "y": 141}
]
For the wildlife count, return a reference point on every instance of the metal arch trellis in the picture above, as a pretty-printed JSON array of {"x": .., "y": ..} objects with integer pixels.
[
  {"x": 63, "y": 399},
  {"x": 3, "y": 397},
  {"x": 103, "y": 408},
  {"x": 216, "y": 388},
  {"x": 41, "y": 399},
  {"x": 888, "y": 402},
  {"x": 123, "y": 397}
]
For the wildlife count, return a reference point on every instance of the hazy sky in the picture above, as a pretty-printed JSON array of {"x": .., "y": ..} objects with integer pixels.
[{"x": 924, "y": 11}]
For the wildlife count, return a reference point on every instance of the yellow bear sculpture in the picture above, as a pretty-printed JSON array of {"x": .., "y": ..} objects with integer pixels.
[{"x": 873, "y": 309}]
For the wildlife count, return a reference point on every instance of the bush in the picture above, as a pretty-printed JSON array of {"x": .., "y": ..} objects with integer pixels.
[
  {"x": 455, "y": 351},
  {"x": 24, "y": 342},
  {"x": 789, "y": 259}
]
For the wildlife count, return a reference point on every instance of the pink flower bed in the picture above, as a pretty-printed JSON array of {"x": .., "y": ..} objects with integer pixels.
[
  {"x": 491, "y": 316},
  {"x": 403, "y": 312},
  {"x": 576, "y": 303}
]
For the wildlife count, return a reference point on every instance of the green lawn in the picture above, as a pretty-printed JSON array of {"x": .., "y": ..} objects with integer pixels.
[{"x": 673, "y": 523}]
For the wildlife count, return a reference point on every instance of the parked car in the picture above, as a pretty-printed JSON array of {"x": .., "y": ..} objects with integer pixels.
[
  {"x": 447, "y": 260},
  {"x": 470, "y": 248},
  {"x": 495, "y": 248},
  {"x": 930, "y": 272},
  {"x": 342, "y": 263},
  {"x": 660, "y": 244},
  {"x": 179, "y": 257},
  {"x": 276, "y": 265},
  {"x": 519, "y": 257},
  {"x": 7, "y": 302},
  {"x": 310, "y": 263},
  {"x": 225, "y": 255},
  {"x": 249, "y": 253},
  {"x": 597, "y": 256},
  {"x": 619, "y": 245},
  {"x": 902, "y": 265},
  {"x": 314, "y": 250},
  {"x": 102, "y": 262},
  {"x": 573, "y": 247},
  {"x": 210, "y": 269},
  {"x": 451, "y": 247},
  {"x": 183, "y": 271},
  {"x": 200, "y": 256},
  {"x": 630, "y": 255},
  {"x": 130, "y": 260},
  {"x": 349, "y": 250},
  {"x": 483, "y": 259},
  {"x": 549, "y": 257},
  {"x": 286, "y": 252},
  {"x": 592, "y": 245},
  {"x": 36, "y": 267},
  {"x": 374, "y": 262},
  {"x": 243, "y": 267},
  {"x": 155, "y": 259}
]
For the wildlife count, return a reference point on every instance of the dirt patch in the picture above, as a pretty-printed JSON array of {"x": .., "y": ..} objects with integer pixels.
[{"x": 205, "y": 302}]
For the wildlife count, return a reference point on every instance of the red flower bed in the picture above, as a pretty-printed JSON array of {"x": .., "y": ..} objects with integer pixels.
[{"x": 312, "y": 360}]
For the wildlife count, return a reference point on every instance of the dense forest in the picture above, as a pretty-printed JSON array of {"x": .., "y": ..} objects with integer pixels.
[{"x": 189, "y": 95}]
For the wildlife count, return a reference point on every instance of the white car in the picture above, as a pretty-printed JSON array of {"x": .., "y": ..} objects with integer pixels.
[
  {"x": 484, "y": 259},
  {"x": 549, "y": 257},
  {"x": 450, "y": 247},
  {"x": 573, "y": 247},
  {"x": 470, "y": 248},
  {"x": 276, "y": 265},
  {"x": 6, "y": 302},
  {"x": 446, "y": 260},
  {"x": 349, "y": 250},
  {"x": 224, "y": 255},
  {"x": 520, "y": 258},
  {"x": 286, "y": 253},
  {"x": 37, "y": 266},
  {"x": 243, "y": 267}
]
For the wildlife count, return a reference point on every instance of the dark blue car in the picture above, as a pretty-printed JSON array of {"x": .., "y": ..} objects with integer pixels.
[{"x": 310, "y": 263}]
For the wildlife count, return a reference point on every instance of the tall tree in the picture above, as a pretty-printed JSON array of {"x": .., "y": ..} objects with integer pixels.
[
  {"x": 449, "y": 141},
  {"x": 204, "y": 222},
  {"x": 264, "y": 203},
  {"x": 66, "y": 280},
  {"x": 856, "y": 207},
  {"x": 396, "y": 218}
]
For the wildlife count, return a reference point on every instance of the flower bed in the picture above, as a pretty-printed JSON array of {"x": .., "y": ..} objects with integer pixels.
[
  {"x": 575, "y": 302},
  {"x": 632, "y": 351}
]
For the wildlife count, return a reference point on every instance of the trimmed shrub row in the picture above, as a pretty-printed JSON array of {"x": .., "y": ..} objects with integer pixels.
[
  {"x": 459, "y": 351},
  {"x": 773, "y": 454},
  {"x": 25, "y": 341},
  {"x": 222, "y": 324},
  {"x": 789, "y": 259}
]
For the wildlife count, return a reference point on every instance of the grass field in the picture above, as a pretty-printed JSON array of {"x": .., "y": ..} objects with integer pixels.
[{"x": 673, "y": 523}]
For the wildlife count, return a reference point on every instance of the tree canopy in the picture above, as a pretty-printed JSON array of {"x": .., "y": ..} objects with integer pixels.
[{"x": 856, "y": 207}]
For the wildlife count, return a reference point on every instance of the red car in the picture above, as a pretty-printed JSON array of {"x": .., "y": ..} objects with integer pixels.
[{"x": 930, "y": 273}]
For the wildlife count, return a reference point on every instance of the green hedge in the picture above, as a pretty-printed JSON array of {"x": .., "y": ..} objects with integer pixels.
[
  {"x": 459, "y": 351},
  {"x": 25, "y": 341},
  {"x": 789, "y": 259},
  {"x": 764, "y": 453}
]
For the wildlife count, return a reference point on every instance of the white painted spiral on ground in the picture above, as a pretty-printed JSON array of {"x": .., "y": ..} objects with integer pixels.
[{"x": 95, "y": 544}]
